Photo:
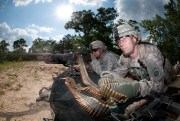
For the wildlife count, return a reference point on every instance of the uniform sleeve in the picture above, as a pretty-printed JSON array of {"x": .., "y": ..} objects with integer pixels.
[
  {"x": 96, "y": 66},
  {"x": 147, "y": 86},
  {"x": 109, "y": 61}
]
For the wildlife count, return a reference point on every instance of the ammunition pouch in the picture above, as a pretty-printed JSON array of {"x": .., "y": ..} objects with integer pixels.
[{"x": 139, "y": 73}]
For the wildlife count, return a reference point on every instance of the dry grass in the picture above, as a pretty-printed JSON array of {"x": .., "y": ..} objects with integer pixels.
[
  {"x": 9, "y": 76},
  {"x": 7, "y": 65}
]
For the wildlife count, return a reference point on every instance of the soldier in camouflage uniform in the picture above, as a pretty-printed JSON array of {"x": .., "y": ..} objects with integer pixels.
[
  {"x": 144, "y": 62},
  {"x": 102, "y": 59}
]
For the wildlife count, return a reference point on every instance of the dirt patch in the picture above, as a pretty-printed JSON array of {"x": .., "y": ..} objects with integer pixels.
[{"x": 20, "y": 87}]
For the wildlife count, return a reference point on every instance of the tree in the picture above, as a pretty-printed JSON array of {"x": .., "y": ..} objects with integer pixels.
[
  {"x": 19, "y": 47},
  {"x": 19, "y": 44},
  {"x": 3, "y": 46},
  {"x": 3, "y": 49},
  {"x": 49, "y": 45},
  {"x": 104, "y": 26},
  {"x": 66, "y": 44},
  {"x": 43, "y": 46},
  {"x": 165, "y": 31},
  {"x": 37, "y": 46},
  {"x": 90, "y": 26}
]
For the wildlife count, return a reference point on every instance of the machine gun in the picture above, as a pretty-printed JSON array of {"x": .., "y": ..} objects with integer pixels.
[
  {"x": 68, "y": 59},
  {"x": 156, "y": 107}
]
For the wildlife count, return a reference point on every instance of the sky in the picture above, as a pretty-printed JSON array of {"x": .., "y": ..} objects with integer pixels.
[{"x": 30, "y": 19}]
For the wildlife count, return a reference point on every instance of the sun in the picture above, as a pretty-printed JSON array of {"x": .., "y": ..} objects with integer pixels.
[{"x": 64, "y": 12}]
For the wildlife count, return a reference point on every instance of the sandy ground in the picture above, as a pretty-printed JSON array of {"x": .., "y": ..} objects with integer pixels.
[{"x": 18, "y": 103}]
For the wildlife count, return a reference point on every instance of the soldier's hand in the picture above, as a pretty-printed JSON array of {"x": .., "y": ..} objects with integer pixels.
[
  {"x": 107, "y": 74},
  {"x": 144, "y": 88},
  {"x": 93, "y": 57},
  {"x": 119, "y": 85}
]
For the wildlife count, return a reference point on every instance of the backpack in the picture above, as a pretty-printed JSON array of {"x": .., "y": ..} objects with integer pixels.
[{"x": 170, "y": 74}]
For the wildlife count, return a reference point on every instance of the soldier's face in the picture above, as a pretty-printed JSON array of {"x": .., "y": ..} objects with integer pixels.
[
  {"x": 126, "y": 44},
  {"x": 96, "y": 53}
]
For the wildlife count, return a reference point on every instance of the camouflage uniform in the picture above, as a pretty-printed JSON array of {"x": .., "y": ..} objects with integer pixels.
[
  {"x": 150, "y": 54},
  {"x": 177, "y": 67},
  {"x": 107, "y": 62}
]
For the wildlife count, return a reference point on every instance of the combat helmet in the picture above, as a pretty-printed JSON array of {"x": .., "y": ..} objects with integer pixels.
[
  {"x": 97, "y": 45},
  {"x": 124, "y": 30}
]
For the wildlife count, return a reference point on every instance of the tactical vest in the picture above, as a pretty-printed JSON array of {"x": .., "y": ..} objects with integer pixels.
[
  {"x": 141, "y": 72},
  {"x": 148, "y": 68}
]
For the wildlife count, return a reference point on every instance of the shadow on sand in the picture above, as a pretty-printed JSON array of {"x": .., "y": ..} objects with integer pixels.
[{"x": 33, "y": 109}]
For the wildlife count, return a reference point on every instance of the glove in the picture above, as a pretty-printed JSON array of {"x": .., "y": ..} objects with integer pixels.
[
  {"x": 147, "y": 86},
  {"x": 129, "y": 88},
  {"x": 106, "y": 77},
  {"x": 107, "y": 74},
  {"x": 118, "y": 84},
  {"x": 144, "y": 88}
]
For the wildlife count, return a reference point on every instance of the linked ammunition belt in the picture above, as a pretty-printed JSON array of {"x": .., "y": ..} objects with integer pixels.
[{"x": 106, "y": 96}]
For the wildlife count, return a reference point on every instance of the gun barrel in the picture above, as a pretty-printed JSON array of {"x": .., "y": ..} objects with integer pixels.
[{"x": 172, "y": 106}]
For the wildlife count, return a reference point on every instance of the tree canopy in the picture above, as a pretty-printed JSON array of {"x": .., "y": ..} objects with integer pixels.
[
  {"x": 42, "y": 46},
  {"x": 92, "y": 26},
  {"x": 3, "y": 50},
  {"x": 164, "y": 32}
]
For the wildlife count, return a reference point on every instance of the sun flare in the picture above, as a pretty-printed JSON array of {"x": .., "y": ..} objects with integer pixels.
[{"x": 64, "y": 12}]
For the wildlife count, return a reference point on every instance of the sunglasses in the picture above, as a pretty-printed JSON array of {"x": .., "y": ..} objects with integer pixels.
[{"x": 94, "y": 50}]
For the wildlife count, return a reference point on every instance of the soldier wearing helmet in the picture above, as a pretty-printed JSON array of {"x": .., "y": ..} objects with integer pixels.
[
  {"x": 144, "y": 62},
  {"x": 102, "y": 59},
  {"x": 124, "y": 32}
]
